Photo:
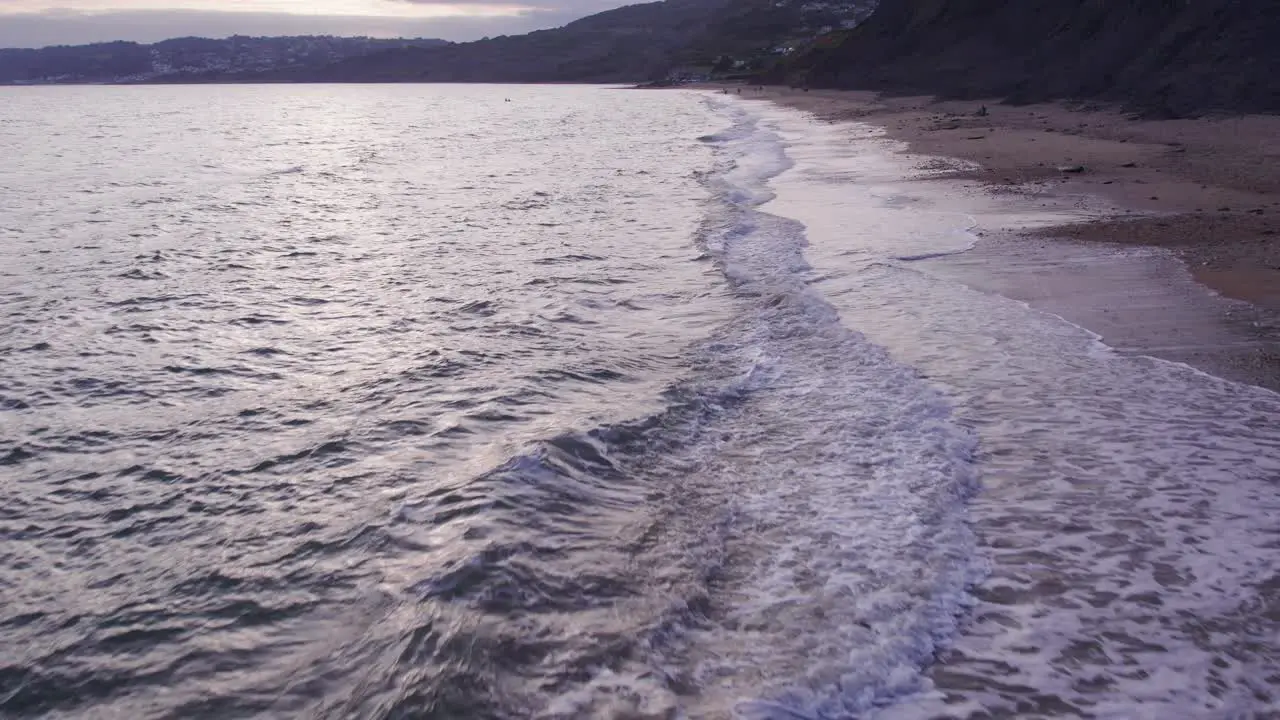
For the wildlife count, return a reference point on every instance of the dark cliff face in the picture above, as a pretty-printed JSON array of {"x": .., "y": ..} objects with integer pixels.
[{"x": 1174, "y": 57}]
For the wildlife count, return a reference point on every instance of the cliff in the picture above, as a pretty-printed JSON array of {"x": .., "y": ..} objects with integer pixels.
[{"x": 1166, "y": 57}]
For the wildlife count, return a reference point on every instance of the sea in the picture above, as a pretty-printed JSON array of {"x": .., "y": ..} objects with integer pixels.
[{"x": 428, "y": 402}]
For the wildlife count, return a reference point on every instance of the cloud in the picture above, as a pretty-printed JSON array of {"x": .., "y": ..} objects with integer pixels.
[{"x": 74, "y": 27}]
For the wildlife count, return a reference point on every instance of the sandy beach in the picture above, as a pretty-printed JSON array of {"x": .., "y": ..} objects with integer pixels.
[
  {"x": 1124, "y": 577},
  {"x": 1126, "y": 545},
  {"x": 1205, "y": 190}
]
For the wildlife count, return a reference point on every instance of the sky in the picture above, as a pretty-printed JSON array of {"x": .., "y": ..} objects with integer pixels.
[{"x": 36, "y": 23}]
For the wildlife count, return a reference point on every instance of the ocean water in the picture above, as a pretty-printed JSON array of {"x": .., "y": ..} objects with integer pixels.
[{"x": 576, "y": 402}]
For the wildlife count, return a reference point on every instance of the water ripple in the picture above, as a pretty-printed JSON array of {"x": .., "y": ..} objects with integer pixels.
[{"x": 257, "y": 380}]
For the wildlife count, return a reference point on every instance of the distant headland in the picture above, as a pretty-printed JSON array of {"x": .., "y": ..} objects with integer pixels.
[{"x": 1171, "y": 59}]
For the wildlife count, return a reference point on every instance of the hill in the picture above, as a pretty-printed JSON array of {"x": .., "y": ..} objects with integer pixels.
[
  {"x": 629, "y": 44},
  {"x": 1167, "y": 57},
  {"x": 635, "y": 43},
  {"x": 625, "y": 44},
  {"x": 184, "y": 58}
]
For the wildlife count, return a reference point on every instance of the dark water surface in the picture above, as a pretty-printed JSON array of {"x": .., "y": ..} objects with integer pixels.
[
  {"x": 411, "y": 402},
  {"x": 406, "y": 402},
  {"x": 262, "y": 349}
]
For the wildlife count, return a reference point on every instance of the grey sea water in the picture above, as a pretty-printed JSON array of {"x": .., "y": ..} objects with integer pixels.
[
  {"x": 555, "y": 402},
  {"x": 419, "y": 402}
]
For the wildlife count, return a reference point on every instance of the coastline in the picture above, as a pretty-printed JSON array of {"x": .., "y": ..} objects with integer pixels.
[
  {"x": 1204, "y": 191},
  {"x": 1126, "y": 503}
]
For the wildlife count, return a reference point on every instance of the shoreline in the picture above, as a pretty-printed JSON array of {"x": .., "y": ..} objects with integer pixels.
[
  {"x": 1123, "y": 502},
  {"x": 1204, "y": 191}
]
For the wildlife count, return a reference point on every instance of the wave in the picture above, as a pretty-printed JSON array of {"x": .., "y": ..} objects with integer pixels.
[
  {"x": 786, "y": 538},
  {"x": 336, "y": 505},
  {"x": 970, "y": 242}
]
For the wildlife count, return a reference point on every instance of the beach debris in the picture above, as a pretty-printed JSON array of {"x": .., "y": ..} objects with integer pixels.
[
  {"x": 1071, "y": 168},
  {"x": 1129, "y": 165}
]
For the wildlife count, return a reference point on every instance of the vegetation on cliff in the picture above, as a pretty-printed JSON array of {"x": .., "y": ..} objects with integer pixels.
[{"x": 1171, "y": 57}]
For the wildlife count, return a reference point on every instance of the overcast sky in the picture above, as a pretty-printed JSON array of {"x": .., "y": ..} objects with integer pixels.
[{"x": 35, "y": 23}]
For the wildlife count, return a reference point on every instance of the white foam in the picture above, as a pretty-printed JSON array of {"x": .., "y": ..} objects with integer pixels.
[
  {"x": 1129, "y": 503},
  {"x": 848, "y": 557}
]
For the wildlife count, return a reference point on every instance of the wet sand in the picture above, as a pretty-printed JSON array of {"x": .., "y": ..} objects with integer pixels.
[
  {"x": 1127, "y": 505},
  {"x": 1205, "y": 191}
]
